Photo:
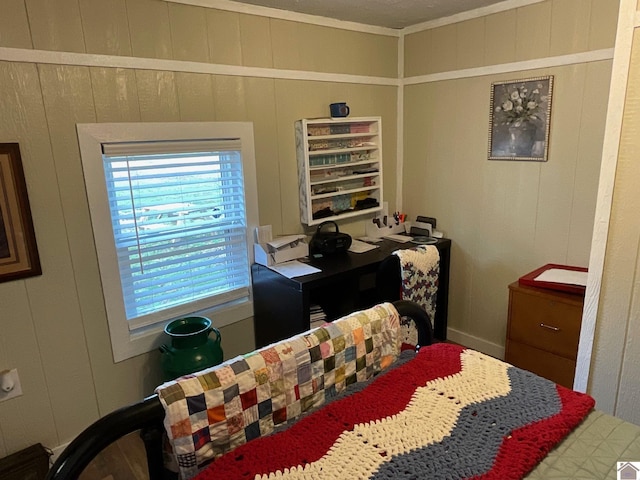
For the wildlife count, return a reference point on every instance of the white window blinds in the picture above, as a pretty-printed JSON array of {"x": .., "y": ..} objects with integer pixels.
[{"x": 179, "y": 222}]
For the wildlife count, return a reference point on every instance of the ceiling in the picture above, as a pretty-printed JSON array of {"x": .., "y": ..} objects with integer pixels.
[{"x": 382, "y": 13}]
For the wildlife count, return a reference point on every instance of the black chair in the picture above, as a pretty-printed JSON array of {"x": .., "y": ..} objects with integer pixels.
[
  {"x": 389, "y": 289},
  {"x": 389, "y": 279}
]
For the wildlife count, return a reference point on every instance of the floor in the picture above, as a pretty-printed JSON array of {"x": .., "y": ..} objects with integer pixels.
[{"x": 122, "y": 460}]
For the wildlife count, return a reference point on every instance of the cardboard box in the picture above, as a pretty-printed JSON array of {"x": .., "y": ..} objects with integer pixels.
[{"x": 279, "y": 250}]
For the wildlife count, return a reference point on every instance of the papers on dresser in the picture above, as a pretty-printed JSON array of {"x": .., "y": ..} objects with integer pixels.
[
  {"x": 294, "y": 269},
  {"x": 558, "y": 275}
]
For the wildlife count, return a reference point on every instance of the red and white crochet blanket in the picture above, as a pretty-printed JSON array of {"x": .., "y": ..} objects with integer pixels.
[{"x": 448, "y": 413}]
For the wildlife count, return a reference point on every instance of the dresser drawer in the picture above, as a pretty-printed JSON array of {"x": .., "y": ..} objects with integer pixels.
[
  {"x": 552, "y": 367},
  {"x": 548, "y": 322}
]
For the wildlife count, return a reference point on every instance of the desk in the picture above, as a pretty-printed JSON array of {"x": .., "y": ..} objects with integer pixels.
[{"x": 345, "y": 284}]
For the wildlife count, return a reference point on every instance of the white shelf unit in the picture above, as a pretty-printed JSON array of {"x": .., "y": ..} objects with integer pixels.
[{"x": 339, "y": 167}]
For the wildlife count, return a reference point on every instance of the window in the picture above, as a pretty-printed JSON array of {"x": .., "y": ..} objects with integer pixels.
[{"x": 172, "y": 208}]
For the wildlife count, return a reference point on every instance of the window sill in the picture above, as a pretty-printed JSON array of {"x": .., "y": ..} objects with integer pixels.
[{"x": 127, "y": 344}]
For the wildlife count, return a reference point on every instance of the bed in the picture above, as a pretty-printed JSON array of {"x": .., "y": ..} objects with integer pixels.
[{"x": 353, "y": 399}]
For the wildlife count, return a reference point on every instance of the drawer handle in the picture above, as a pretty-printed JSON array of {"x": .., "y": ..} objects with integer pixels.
[{"x": 555, "y": 329}]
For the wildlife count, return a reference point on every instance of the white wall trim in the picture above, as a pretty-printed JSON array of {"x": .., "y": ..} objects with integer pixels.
[
  {"x": 400, "y": 126},
  {"x": 289, "y": 15},
  {"x": 627, "y": 18},
  {"x": 469, "y": 15},
  {"x": 114, "y": 61},
  {"x": 475, "y": 343},
  {"x": 535, "y": 64}
]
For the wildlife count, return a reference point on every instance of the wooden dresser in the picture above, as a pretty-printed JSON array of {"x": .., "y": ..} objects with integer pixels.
[{"x": 543, "y": 330}]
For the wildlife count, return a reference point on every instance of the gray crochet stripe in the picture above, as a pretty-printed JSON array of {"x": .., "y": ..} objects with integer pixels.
[{"x": 477, "y": 436}]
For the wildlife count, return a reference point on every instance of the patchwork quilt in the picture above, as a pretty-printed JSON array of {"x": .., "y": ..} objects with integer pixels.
[
  {"x": 450, "y": 413},
  {"x": 214, "y": 411}
]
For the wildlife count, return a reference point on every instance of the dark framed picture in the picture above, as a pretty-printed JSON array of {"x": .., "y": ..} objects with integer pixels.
[
  {"x": 519, "y": 119},
  {"x": 18, "y": 251}
]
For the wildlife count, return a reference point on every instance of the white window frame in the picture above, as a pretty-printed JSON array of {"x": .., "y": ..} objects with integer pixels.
[{"x": 125, "y": 343}]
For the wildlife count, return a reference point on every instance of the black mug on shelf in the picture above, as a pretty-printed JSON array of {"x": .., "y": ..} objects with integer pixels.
[{"x": 340, "y": 109}]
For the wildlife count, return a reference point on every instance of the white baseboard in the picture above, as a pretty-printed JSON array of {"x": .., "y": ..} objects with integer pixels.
[{"x": 476, "y": 343}]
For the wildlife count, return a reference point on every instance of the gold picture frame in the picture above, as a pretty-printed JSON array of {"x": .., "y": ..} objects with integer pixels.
[
  {"x": 18, "y": 250},
  {"x": 520, "y": 119}
]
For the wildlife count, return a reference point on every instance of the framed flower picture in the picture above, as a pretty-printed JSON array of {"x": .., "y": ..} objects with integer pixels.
[
  {"x": 519, "y": 119},
  {"x": 18, "y": 251}
]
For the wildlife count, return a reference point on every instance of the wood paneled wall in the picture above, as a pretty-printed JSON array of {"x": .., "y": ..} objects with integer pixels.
[{"x": 53, "y": 327}]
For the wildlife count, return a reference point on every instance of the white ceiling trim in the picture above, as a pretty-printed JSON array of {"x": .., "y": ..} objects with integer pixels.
[
  {"x": 113, "y": 61},
  {"x": 470, "y": 15},
  {"x": 251, "y": 9},
  {"x": 559, "y": 61}
]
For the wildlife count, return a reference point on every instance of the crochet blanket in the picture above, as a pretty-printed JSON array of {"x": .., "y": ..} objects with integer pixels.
[
  {"x": 450, "y": 413},
  {"x": 420, "y": 269}
]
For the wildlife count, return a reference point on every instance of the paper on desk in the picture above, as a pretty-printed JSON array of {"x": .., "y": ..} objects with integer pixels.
[
  {"x": 360, "y": 247},
  {"x": 398, "y": 238},
  {"x": 282, "y": 241},
  {"x": 559, "y": 275},
  {"x": 294, "y": 268}
]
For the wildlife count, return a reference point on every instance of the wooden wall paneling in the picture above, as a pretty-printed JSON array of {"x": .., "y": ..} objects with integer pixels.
[
  {"x": 67, "y": 97},
  {"x": 621, "y": 284},
  {"x": 590, "y": 143},
  {"x": 255, "y": 38},
  {"x": 557, "y": 179},
  {"x": 55, "y": 25},
  {"x": 229, "y": 99},
  {"x": 224, "y": 39},
  {"x": 106, "y": 27},
  {"x": 375, "y": 55},
  {"x": 238, "y": 338},
  {"x": 533, "y": 31},
  {"x": 294, "y": 100},
  {"x": 628, "y": 402},
  {"x": 158, "y": 96},
  {"x": 498, "y": 27},
  {"x": 338, "y": 55},
  {"x": 14, "y": 25},
  {"x": 261, "y": 110},
  {"x": 470, "y": 34},
  {"x": 570, "y": 26},
  {"x": 189, "y": 35},
  {"x": 604, "y": 18},
  {"x": 442, "y": 49},
  {"x": 289, "y": 43},
  {"x": 416, "y": 53},
  {"x": 107, "y": 95},
  {"x": 28, "y": 307},
  {"x": 115, "y": 94},
  {"x": 32, "y": 412},
  {"x": 195, "y": 97},
  {"x": 149, "y": 29}
]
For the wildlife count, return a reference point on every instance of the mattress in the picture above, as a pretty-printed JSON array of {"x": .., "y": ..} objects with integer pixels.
[{"x": 592, "y": 450}]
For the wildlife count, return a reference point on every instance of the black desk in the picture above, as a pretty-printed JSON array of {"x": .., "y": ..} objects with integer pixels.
[{"x": 345, "y": 284}]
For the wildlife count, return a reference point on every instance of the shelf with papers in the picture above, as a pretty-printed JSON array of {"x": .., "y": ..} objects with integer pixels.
[{"x": 339, "y": 167}]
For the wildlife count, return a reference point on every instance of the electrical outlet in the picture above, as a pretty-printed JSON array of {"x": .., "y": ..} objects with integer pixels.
[{"x": 9, "y": 384}]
